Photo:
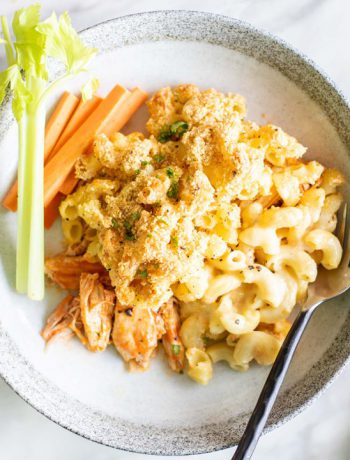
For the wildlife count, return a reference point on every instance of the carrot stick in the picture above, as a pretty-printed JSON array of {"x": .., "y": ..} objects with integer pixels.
[
  {"x": 51, "y": 211},
  {"x": 129, "y": 107},
  {"x": 58, "y": 120},
  {"x": 82, "y": 112},
  {"x": 54, "y": 127},
  {"x": 10, "y": 200},
  {"x": 59, "y": 166},
  {"x": 69, "y": 184}
]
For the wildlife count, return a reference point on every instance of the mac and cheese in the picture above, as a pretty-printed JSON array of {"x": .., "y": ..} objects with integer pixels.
[{"x": 207, "y": 232}]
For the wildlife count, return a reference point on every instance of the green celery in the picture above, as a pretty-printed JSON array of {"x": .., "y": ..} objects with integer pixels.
[
  {"x": 35, "y": 152},
  {"x": 23, "y": 214},
  {"x": 27, "y": 78},
  {"x": 10, "y": 56}
]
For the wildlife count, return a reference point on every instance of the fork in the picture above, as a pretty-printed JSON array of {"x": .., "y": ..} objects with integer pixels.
[{"x": 327, "y": 286}]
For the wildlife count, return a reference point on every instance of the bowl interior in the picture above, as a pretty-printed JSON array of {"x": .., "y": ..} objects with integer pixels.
[{"x": 93, "y": 394}]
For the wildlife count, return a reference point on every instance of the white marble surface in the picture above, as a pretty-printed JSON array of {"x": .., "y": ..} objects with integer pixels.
[{"x": 320, "y": 28}]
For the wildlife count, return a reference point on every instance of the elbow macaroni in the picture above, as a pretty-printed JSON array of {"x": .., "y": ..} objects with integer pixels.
[
  {"x": 226, "y": 220},
  {"x": 288, "y": 243},
  {"x": 200, "y": 367},
  {"x": 328, "y": 243},
  {"x": 72, "y": 230},
  {"x": 258, "y": 346}
]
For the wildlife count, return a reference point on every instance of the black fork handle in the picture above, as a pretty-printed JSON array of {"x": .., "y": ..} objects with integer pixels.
[{"x": 271, "y": 388}]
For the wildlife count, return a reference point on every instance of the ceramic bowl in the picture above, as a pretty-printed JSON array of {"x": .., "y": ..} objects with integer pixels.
[{"x": 159, "y": 412}]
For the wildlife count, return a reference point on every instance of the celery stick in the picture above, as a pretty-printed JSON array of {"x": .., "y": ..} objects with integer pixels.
[
  {"x": 23, "y": 213},
  {"x": 27, "y": 78},
  {"x": 34, "y": 173}
]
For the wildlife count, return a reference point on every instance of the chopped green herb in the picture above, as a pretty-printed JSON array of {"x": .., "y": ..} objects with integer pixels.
[
  {"x": 159, "y": 158},
  {"x": 179, "y": 128},
  {"x": 144, "y": 163},
  {"x": 164, "y": 135},
  {"x": 175, "y": 349},
  {"x": 173, "y": 191},
  {"x": 149, "y": 235},
  {"x": 129, "y": 235},
  {"x": 142, "y": 273},
  {"x": 173, "y": 132},
  {"x": 128, "y": 226},
  {"x": 175, "y": 241},
  {"x": 135, "y": 216},
  {"x": 137, "y": 172},
  {"x": 170, "y": 172},
  {"x": 115, "y": 223},
  {"x": 206, "y": 341}
]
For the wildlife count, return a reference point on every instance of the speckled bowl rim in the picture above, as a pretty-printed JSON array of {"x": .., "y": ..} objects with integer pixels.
[{"x": 70, "y": 413}]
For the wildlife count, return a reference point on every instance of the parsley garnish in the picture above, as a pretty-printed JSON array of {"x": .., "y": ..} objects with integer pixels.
[
  {"x": 135, "y": 216},
  {"x": 129, "y": 234},
  {"x": 137, "y": 172},
  {"x": 128, "y": 226},
  {"x": 173, "y": 191},
  {"x": 159, "y": 158},
  {"x": 142, "y": 273},
  {"x": 170, "y": 172},
  {"x": 115, "y": 223},
  {"x": 172, "y": 132},
  {"x": 175, "y": 349},
  {"x": 206, "y": 341},
  {"x": 144, "y": 163},
  {"x": 175, "y": 241}
]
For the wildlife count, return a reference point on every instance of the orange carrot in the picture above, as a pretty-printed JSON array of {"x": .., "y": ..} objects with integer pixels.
[
  {"x": 69, "y": 184},
  {"x": 59, "y": 166},
  {"x": 10, "y": 200},
  {"x": 51, "y": 211},
  {"x": 129, "y": 107},
  {"x": 82, "y": 112},
  {"x": 58, "y": 120},
  {"x": 54, "y": 127}
]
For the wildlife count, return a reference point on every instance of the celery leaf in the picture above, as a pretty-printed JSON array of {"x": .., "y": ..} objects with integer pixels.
[
  {"x": 89, "y": 89},
  {"x": 29, "y": 43},
  {"x": 64, "y": 43}
]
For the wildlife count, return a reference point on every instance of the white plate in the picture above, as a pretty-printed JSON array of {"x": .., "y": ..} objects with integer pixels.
[{"x": 159, "y": 411}]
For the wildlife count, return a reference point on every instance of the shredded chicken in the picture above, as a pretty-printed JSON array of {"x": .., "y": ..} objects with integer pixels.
[
  {"x": 89, "y": 316},
  {"x": 136, "y": 332},
  {"x": 97, "y": 308},
  {"x": 172, "y": 344},
  {"x": 62, "y": 318},
  {"x": 65, "y": 270}
]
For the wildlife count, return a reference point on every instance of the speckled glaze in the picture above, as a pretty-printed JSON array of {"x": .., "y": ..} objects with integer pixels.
[{"x": 95, "y": 425}]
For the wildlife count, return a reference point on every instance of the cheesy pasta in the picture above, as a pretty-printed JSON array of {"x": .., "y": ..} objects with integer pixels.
[{"x": 203, "y": 235}]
